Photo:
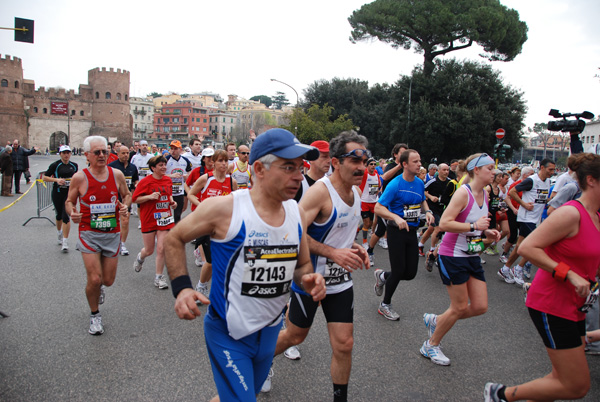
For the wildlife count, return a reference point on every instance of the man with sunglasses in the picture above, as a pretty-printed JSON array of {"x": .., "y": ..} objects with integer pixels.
[
  {"x": 332, "y": 206},
  {"x": 240, "y": 169},
  {"x": 98, "y": 187}
]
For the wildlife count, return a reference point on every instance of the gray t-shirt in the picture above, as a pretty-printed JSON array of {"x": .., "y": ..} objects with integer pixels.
[{"x": 568, "y": 192}]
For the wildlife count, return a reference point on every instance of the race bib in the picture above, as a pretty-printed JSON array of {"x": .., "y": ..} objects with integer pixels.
[
  {"x": 373, "y": 189},
  {"x": 67, "y": 183},
  {"x": 334, "y": 274},
  {"x": 164, "y": 218},
  {"x": 474, "y": 245},
  {"x": 412, "y": 212},
  {"x": 144, "y": 171},
  {"x": 542, "y": 196},
  {"x": 128, "y": 181},
  {"x": 495, "y": 204},
  {"x": 177, "y": 185},
  {"x": 103, "y": 216},
  {"x": 268, "y": 270}
]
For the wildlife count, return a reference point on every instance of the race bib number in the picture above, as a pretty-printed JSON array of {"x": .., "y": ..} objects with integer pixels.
[
  {"x": 143, "y": 172},
  {"x": 103, "y": 216},
  {"x": 334, "y": 274},
  {"x": 542, "y": 197},
  {"x": 67, "y": 183},
  {"x": 164, "y": 218},
  {"x": 128, "y": 181},
  {"x": 495, "y": 204},
  {"x": 373, "y": 189},
  {"x": 268, "y": 270},
  {"x": 474, "y": 245},
  {"x": 177, "y": 185},
  {"x": 412, "y": 212}
]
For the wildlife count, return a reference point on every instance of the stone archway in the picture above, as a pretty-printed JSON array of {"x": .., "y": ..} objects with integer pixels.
[{"x": 57, "y": 139}]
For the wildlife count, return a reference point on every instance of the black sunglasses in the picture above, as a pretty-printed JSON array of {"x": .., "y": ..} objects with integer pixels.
[
  {"x": 356, "y": 153},
  {"x": 100, "y": 151},
  {"x": 243, "y": 153}
]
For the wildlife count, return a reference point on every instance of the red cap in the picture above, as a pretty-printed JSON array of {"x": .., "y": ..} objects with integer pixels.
[{"x": 322, "y": 146}]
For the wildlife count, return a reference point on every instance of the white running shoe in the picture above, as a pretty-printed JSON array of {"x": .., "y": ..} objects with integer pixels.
[
  {"x": 198, "y": 257},
  {"x": 292, "y": 353},
  {"x": 430, "y": 321},
  {"x": 383, "y": 243},
  {"x": 267, "y": 384},
  {"x": 527, "y": 270},
  {"x": 160, "y": 282},
  {"x": 202, "y": 288},
  {"x": 434, "y": 353},
  {"x": 140, "y": 225},
  {"x": 124, "y": 250},
  {"x": 379, "y": 283},
  {"x": 65, "y": 246},
  {"x": 102, "y": 296},
  {"x": 386, "y": 311},
  {"x": 517, "y": 273},
  {"x": 137, "y": 264},
  {"x": 60, "y": 238},
  {"x": 371, "y": 260},
  {"x": 526, "y": 286},
  {"x": 506, "y": 275},
  {"x": 96, "y": 327}
]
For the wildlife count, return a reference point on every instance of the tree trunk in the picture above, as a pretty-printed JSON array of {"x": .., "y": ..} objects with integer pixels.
[{"x": 428, "y": 64}]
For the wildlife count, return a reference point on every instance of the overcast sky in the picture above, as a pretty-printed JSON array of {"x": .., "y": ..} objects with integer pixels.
[{"x": 237, "y": 46}]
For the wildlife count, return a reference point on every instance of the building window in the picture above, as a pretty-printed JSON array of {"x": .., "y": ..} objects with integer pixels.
[
  {"x": 593, "y": 138},
  {"x": 97, "y": 95},
  {"x": 35, "y": 109},
  {"x": 205, "y": 120},
  {"x": 73, "y": 112},
  {"x": 118, "y": 96},
  {"x": 17, "y": 84},
  {"x": 185, "y": 120},
  {"x": 81, "y": 113},
  {"x": 107, "y": 95},
  {"x": 5, "y": 83},
  {"x": 45, "y": 110}
]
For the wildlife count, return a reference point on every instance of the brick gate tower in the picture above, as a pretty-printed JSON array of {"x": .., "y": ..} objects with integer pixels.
[{"x": 13, "y": 117}]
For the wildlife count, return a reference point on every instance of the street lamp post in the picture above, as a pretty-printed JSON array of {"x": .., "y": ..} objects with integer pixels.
[{"x": 297, "y": 103}]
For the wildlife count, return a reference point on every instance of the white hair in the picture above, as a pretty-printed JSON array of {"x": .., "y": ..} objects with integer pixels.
[
  {"x": 87, "y": 143},
  {"x": 527, "y": 170}
]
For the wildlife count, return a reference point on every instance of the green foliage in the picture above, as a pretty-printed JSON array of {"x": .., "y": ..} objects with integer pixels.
[
  {"x": 154, "y": 95},
  {"x": 317, "y": 123},
  {"x": 264, "y": 99},
  {"x": 279, "y": 100},
  {"x": 437, "y": 27}
]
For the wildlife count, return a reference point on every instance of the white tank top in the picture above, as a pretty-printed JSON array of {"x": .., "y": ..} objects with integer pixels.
[
  {"x": 369, "y": 193},
  {"x": 253, "y": 267},
  {"x": 539, "y": 196},
  {"x": 338, "y": 231},
  {"x": 467, "y": 244}
]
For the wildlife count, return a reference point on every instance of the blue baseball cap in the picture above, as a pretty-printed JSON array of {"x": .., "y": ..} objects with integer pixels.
[{"x": 282, "y": 144}]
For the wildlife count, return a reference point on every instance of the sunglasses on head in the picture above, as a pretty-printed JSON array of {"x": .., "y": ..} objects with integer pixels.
[
  {"x": 100, "y": 151},
  {"x": 356, "y": 153}
]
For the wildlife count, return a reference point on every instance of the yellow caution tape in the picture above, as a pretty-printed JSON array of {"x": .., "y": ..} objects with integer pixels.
[{"x": 22, "y": 195}]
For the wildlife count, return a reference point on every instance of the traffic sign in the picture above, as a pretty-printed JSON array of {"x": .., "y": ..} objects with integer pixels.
[{"x": 500, "y": 133}]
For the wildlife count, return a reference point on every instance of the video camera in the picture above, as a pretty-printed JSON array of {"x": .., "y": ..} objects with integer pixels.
[{"x": 568, "y": 126}]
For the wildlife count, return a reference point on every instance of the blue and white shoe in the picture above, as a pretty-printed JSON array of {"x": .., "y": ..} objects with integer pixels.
[
  {"x": 430, "y": 323},
  {"x": 434, "y": 353}
]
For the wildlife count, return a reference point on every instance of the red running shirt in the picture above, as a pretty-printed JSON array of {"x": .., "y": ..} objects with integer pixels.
[
  {"x": 99, "y": 204},
  {"x": 155, "y": 214},
  {"x": 214, "y": 188}
]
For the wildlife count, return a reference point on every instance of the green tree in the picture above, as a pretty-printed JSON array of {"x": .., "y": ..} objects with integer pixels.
[
  {"x": 264, "y": 99},
  {"x": 456, "y": 111},
  {"x": 437, "y": 27},
  {"x": 317, "y": 123},
  {"x": 154, "y": 95},
  {"x": 279, "y": 100}
]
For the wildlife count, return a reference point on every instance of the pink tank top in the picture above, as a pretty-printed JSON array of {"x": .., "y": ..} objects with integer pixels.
[{"x": 582, "y": 254}]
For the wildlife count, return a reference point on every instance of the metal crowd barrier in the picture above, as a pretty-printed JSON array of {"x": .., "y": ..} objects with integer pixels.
[{"x": 44, "y": 198}]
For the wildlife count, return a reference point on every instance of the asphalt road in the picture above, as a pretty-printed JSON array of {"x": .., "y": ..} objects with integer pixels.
[{"x": 148, "y": 354}]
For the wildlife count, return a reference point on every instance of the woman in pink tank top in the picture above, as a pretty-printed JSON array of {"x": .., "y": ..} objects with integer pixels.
[{"x": 565, "y": 248}]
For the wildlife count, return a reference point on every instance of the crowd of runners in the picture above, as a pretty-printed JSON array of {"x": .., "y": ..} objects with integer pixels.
[{"x": 279, "y": 227}]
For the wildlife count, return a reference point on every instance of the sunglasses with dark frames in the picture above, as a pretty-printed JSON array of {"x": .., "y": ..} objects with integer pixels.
[
  {"x": 372, "y": 164},
  {"x": 101, "y": 151},
  {"x": 356, "y": 153},
  {"x": 243, "y": 153}
]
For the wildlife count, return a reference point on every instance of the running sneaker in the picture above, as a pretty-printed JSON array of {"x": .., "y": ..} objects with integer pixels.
[
  {"x": 434, "y": 353},
  {"x": 386, "y": 311},
  {"x": 140, "y": 225},
  {"x": 429, "y": 261},
  {"x": 504, "y": 258},
  {"x": 517, "y": 273},
  {"x": 102, "y": 296},
  {"x": 506, "y": 275},
  {"x": 60, "y": 238},
  {"x": 371, "y": 258},
  {"x": 266, "y": 387},
  {"x": 421, "y": 251},
  {"x": 96, "y": 327},
  {"x": 430, "y": 321},
  {"x": 124, "y": 250},
  {"x": 379, "y": 283},
  {"x": 65, "y": 246},
  {"x": 198, "y": 257},
  {"x": 490, "y": 392},
  {"x": 292, "y": 353},
  {"x": 160, "y": 282},
  {"x": 526, "y": 286},
  {"x": 137, "y": 264},
  {"x": 202, "y": 288},
  {"x": 365, "y": 245},
  {"x": 383, "y": 243},
  {"x": 481, "y": 260},
  {"x": 527, "y": 270}
]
